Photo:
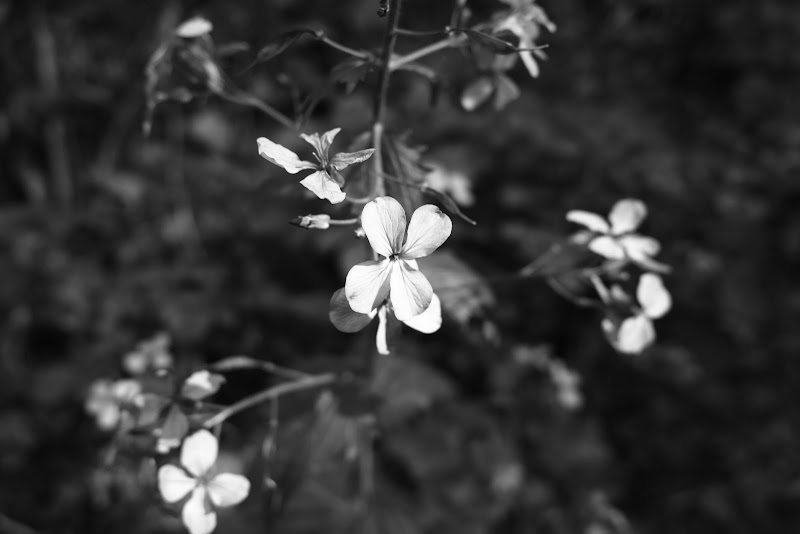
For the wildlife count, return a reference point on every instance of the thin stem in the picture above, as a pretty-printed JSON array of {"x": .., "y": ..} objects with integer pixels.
[
  {"x": 450, "y": 42},
  {"x": 342, "y": 48},
  {"x": 247, "y": 100},
  {"x": 309, "y": 382},
  {"x": 343, "y": 222},
  {"x": 234, "y": 363},
  {"x": 417, "y": 33}
]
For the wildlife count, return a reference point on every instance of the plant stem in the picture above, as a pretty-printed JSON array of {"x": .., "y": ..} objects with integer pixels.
[
  {"x": 379, "y": 111},
  {"x": 342, "y": 48},
  {"x": 452, "y": 41},
  {"x": 309, "y": 382}
]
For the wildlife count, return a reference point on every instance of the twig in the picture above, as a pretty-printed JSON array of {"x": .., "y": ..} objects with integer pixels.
[
  {"x": 342, "y": 48},
  {"x": 450, "y": 42},
  {"x": 309, "y": 382},
  {"x": 238, "y": 362}
]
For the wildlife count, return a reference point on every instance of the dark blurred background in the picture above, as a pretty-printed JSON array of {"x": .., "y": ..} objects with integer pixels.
[{"x": 107, "y": 236}]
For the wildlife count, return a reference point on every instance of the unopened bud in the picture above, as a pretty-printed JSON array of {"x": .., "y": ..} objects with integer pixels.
[{"x": 318, "y": 222}]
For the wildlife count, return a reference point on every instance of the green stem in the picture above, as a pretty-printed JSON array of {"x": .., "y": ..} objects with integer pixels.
[
  {"x": 342, "y": 48},
  {"x": 450, "y": 42},
  {"x": 309, "y": 382}
]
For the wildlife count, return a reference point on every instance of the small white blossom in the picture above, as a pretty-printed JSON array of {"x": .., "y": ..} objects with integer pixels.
[
  {"x": 525, "y": 20},
  {"x": 616, "y": 239},
  {"x": 636, "y": 333},
  {"x": 198, "y": 455},
  {"x": 109, "y": 402},
  {"x": 321, "y": 182},
  {"x": 397, "y": 276}
]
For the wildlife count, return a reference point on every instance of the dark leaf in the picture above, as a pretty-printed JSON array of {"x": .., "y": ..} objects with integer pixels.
[
  {"x": 448, "y": 203},
  {"x": 279, "y": 45},
  {"x": 407, "y": 386},
  {"x": 505, "y": 91},
  {"x": 351, "y": 72}
]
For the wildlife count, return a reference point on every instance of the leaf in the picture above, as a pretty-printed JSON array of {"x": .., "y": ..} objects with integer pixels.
[
  {"x": 464, "y": 294},
  {"x": 490, "y": 42},
  {"x": 403, "y": 162},
  {"x": 505, "y": 91},
  {"x": 279, "y": 45},
  {"x": 351, "y": 72},
  {"x": 448, "y": 203},
  {"x": 407, "y": 386},
  {"x": 174, "y": 428}
]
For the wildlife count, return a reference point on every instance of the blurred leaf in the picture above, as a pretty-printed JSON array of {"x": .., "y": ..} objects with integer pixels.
[
  {"x": 505, "y": 91},
  {"x": 351, "y": 72},
  {"x": 403, "y": 162},
  {"x": 448, "y": 203},
  {"x": 407, "y": 386},
  {"x": 463, "y": 292}
]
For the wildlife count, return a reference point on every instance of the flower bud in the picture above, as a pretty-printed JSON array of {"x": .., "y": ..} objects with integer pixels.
[{"x": 319, "y": 222}]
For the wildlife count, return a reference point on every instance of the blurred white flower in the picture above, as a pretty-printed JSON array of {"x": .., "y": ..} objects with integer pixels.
[
  {"x": 396, "y": 277},
  {"x": 150, "y": 356},
  {"x": 525, "y": 20},
  {"x": 322, "y": 181},
  {"x": 198, "y": 455},
  {"x": 454, "y": 183},
  {"x": 636, "y": 333},
  {"x": 616, "y": 239},
  {"x": 109, "y": 401}
]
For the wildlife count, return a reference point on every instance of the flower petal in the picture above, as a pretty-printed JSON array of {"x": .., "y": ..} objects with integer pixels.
[
  {"x": 529, "y": 61},
  {"x": 343, "y": 317},
  {"x": 590, "y": 220},
  {"x": 607, "y": 247},
  {"x": 627, "y": 215},
  {"x": 367, "y": 285},
  {"x": 228, "y": 489},
  {"x": 381, "y": 342},
  {"x": 428, "y": 229},
  {"x": 639, "y": 247},
  {"x": 430, "y": 320},
  {"x": 282, "y": 156},
  {"x": 343, "y": 160},
  {"x": 384, "y": 222},
  {"x": 173, "y": 483},
  {"x": 653, "y": 296},
  {"x": 321, "y": 143},
  {"x": 201, "y": 384},
  {"x": 199, "y": 452},
  {"x": 635, "y": 334},
  {"x": 197, "y": 516},
  {"x": 321, "y": 184},
  {"x": 410, "y": 293},
  {"x": 194, "y": 27}
]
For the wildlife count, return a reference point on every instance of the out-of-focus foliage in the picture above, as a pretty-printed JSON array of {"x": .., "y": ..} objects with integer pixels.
[{"x": 107, "y": 238}]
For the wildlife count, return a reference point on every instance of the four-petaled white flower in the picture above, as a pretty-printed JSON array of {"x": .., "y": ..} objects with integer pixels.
[
  {"x": 615, "y": 239},
  {"x": 397, "y": 276},
  {"x": 636, "y": 333},
  {"x": 198, "y": 455},
  {"x": 325, "y": 182},
  {"x": 524, "y": 20}
]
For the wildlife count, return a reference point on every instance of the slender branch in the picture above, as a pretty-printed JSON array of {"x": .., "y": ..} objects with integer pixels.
[
  {"x": 342, "y": 48},
  {"x": 309, "y": 382},
  {"x": 248, "y": 100},
  {"x": 417, "y": 33},
  {"x": 450, "y": 42},
  {"x": 343, "y": 222},
  {"x": 233, "y": 363}
]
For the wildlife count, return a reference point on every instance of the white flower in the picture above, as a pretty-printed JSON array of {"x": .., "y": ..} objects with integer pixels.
[
  {"x": 524, "y": 20},
  {"x": 201, "y": 384},
  {"x": 397, "y": 276},
  {"x": 110, "y": 402},
  {"x": 637, "y": 332},
  {"x": 615, "y": 239},
  {"x": 194, "y": 27},
  {"x": 198, "y": 455},
  {"x": 321, "y": 182},
  {"x": 346, "y": 320}
]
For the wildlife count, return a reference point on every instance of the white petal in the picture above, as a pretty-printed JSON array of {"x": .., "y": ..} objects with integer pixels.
[
  {"x": 639, "y": 247},
  {"x": 197, "y": 515},
  {"x": 321, "y": 184},
  {"x": 530, "y": 62},
  {"x": 201, "y": 384},
  {"x": 428, "y": 229},
  {"x": 343, "y": 317},
  {"x": 410, "y": 293},
  {"x": 635, "y": 334},
  {"x": 430, "y": 320},
  {"x": 282, "y": 156},
  {"x": 173, "y": 483},
  {"x": 627, "y": 215},
  {"x": 384, "y": 222},
  {"x": 380, "y": 338},
  {"x": 194, "y": 27},
  {"x": 367, "y": 285},
  {"x": 199, "y": 452},
  {"x": 321, "y": 143},
  {"x": 653, "y": 296},
  {"x": 607, "y": 247},
  {"x": 342, "y": 160},
  {"x": 590, "y": 220},
  {"x": 228, "y": 489}
]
